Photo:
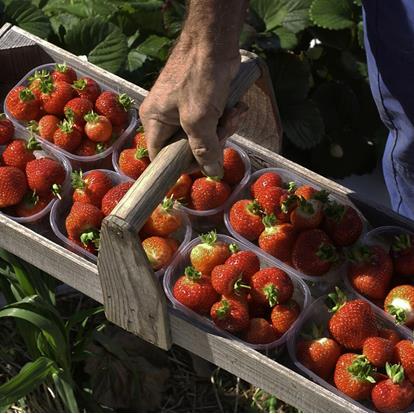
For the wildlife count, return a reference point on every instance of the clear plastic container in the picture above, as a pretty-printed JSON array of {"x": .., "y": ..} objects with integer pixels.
[
  {"x": 318, "y": 313},
  {"x": 175, "y": 270},
  {"x": 318, "y": 284},
  {"x": 382, "y": 236},
  {"x": 61, "y": 210},
  {"x": 102, "y": 160}
]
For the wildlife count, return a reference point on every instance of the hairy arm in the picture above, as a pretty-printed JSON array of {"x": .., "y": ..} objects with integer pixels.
[{"x": 193, "y": 87}]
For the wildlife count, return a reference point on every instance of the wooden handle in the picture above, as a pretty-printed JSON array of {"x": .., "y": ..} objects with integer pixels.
[{"x": 163, "y": 172}]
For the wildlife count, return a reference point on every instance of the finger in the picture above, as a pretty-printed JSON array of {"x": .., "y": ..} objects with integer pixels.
[
  {"x": 231, "y": 120},
  {"x": 157, "y": 135}
]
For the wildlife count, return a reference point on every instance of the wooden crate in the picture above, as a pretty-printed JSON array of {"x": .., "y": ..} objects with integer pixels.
[{"x": 117, "y": 289}]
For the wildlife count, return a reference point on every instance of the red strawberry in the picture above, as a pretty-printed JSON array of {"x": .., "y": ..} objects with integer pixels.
[
  {"x": 370, "y": 271},
  {"x": 174, "y": 244},
  {"x": 246, "y": 220},
  {"x": 19, "y": 152},
  {"x": 158, "y": 251},
  {"x": 35, "y": 80},
  {"x": 269, "y": 199},
  {"x": 404, "y": 353},
  {"x": 6, "y": 129},
  {"x": 76, "y": 109},
  {"x": 395, "y": 394},
  {"x": 209, "y": 253},
  {"x": 230, "y": 315},
  {"x": 400, "y": 304},
  {"x": 194, "y": 290},
  {"x": 260, "y": 331},
  {"x": 23, "y": 104},
  {"x": 97, "y": 128},
  {"x": 353, "y": 321},
  {"x": 342, "y": 224},
  {"x": 47, "y": 126},
  {"x": 233, "y": 166},
  {"x": 113, "y": 197},
  {"x": 208, "y": 193},
  {"x": 164, "y": 220},
  {"x": 133, "y": 162},
  {"x": 88, "y": 148},
  {"x": 306, "y": 191},
  {"x": 307, "y": 215},
  {"x": 284, "y": 316},
  {"x": 272, "y": 286},
  {"x": 313, "y": 253},
  {"x": 139, "y": 139},
  {"x": 378, "y": 351},
  {"x": 354, "y": 376},
  {"x": 67, "y": 136},
  {"x": 45, "y": 176},
  {"x": 87, "y": 88},
  {"x": 389, "y": 334},
  {"x": 89, "y": 246},
  {"x": 115, "y": 107},
  {"x": 13, "y": 186},
  {"x": 182, "y": 189},
  {"x": 63, "y": 73},
  {"x": 92, "y": 188},
  {"x": 244, "y": 261},
  {"x": 228, "y": 280},
  {"x": 54, "y": 96},
  {"x": 277, "y": 239},
  {"x": 83, "y": 223},
  {"x": 266, "y": 180},
  {"x": 31, "y": 205},
  {"x": 402, "y": 251}
]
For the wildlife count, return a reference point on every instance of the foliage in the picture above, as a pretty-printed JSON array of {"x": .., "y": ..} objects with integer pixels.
[{"x": 314, "y": 49}]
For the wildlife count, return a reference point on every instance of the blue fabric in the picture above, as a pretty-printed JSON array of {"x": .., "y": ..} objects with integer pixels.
[{"x": 389, "y": 43}]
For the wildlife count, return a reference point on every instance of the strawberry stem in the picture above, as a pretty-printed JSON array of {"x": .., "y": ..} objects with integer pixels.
[
  {"x": 322, "y": 196},
  {"x": 401, "y": 242},
  {"x": 209, "y": 238},
  {"x": 291, "y": 186},
  {"x": 39, "y": 75},
  {"x": 395, "y": 373},
  {"x": 399, "y": 314},
  {"x": 140, "y": 130},
  {"x": 141, "y": 153},
  {"x": 91, "y": 236},
  {"x": 77, "y": 181},
  {"x": 271, "y": 292},
  {"x": 125, "y": 101},
  {"x": 362, "y": 369},
  {"x": 359, "y": 254},
  {"x": 336, "y": 300},
  {"x": 33, "y": 144},
  {"x": 100, "y": 147},
  {"x": 80, "y": 84},
  {"x": 57, "y": 191},
  {"x": 91, "y": 117},
  {"x": 46, "y": 86},
  {"x": 61, "y": 67},
  {"x": 26, "y": 95},
  {"x": 306, "y": 206},
  {"x": 31, "y": 199},
  {"x": 239, "y": 285},
  {"x": 233, "y": 248},
  {"x": 269, "y": 220},
  {"x": 286, "y": 205},
  {"x": 335, "y": 211},
  {"x": 33, "y": 126},
  {"x": 254, "y": 208},
  {"x": 223, "y": 310},
  {"x": 168, "y": 203},
  {"x": 192, "y": 274},
  {"x": 2, "y": 116},
  {"x": 70, "y": 114},
  {"x": 66, "y": 126},
  {"x": 327, "y": 253}
]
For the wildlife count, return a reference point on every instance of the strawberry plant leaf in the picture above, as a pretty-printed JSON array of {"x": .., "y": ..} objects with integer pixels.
[
  {"x": 338, "y": 39},
  {"x": 287, "y": 39},
  {"x": 155, "y": 46},
  {"x": 135, "y": 60},
  {"x": 173, "y": 17},
  {"x": 360, "y": 35},
  {"x": 81, "y": 8},
  {"x": 332, "y": 14},
  {"x": 358, "y": 2},
  {"x": 63, "y": 22}
]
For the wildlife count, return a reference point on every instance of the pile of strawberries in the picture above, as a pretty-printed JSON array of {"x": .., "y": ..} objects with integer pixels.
[
  {"x": 228, "y": 284},
  {"x": 74, "y": 114},
  {"x": 300, "y": 226},
  {"x": 386, "y": 277},
  {"x": 361, "y": 358}
]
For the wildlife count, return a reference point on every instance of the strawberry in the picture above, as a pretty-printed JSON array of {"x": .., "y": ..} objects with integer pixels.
[
  {"x": 353, "y": 321},
  {"x": 265, "y": 181},
  {"x": 55, "y": 96},
  {"x": 45, "y": 176},
  {"x": 164, "y": 220},
  {"x": 319, "y": 354},
  {"x": 23, "y": 104},
  {"x": 260, "y": 331},
  {"x": 288, "y": 202},
  {"x": 158, "y": 251},
  {"x": 19, "y": 152},
  {"x": 139, "y": 140},
  {"x": 173, "y": 243},
  {"x": 76, "y": 109},
  {"x": 88, "y": 148},
  {"x": 395, "y": 394},
  {"x": 63, "y": 73},
  {"x": 83, "y": 223},
  {"x": 354, "y": 376},
  {"x": 233, "y": 166},
  {"x": 115, "y": 107},
  {"x": 277, "y": 239},
  {"x": 342, "y": 224},
  {"x": 400, "y": 304},
  {"x": 13, "y": 186},
  {"x": 246, "y": 220},
  {"x": 208, "y": 193},
  {"x": 313, "y": 253},
  {"x": 67, "y": 136},
  {"x": 6, "y": 129},
  {"x": 272, "y": 286},
  {"x": 230, "y": 315},
  {"x": 389, "y": 334},
  {"x": 307, "y": 215},
  {"x": 97, "y": 127},
  {"x": 269, "y": 199},
  {"x": 244, "y": 261},
  {"x": 182, "y": 189},
  {"x": 89, "y": 246},
  {"x": 35, "y": 80},
  {"x": 370, "y": 271},
  {"x": 378, "y": 351},
  {"x": 90, "y": 189},
  {"x": 209, "y": 253},
  {"x": 402, "y": 251},
  {"x": 228, "y": 280},
  {"x": 87, "y": 88},
  {"x": 114, "y": 196},
  {"x": 31, "y": 205},
  {"x": 47, "y": 126},
  {"x": 284, "y": 315},
  {"x": 404, "y": 353},
  {"x": 194, "y": 290},
  {"x": 311, "y": 193},
  {"x": 133, "y": 162}
]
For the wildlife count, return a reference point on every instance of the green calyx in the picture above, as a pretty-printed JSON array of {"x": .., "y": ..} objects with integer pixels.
[
  {"x": 77, "y": 181},
  {"x": 305, "y": 206},
  {"x": 271, "y": 292},
  {"x": 322, "y": 196},
  {"x": 401, "y": 242},
  {"x": 46, "y": 86},
  {"x": 2, "y": 116},
  {"x": 233, "y": 248},
  {"x": 80, "y": 84},
  {"x": 91, "y": 236},
  {"x": 269, "y": 221},
  {"x": 395, "y": 373},
  {"x": 239, "y": 285},
  {"x": 360, "y": 254},
  {"x": 69, "y": 114},
  {"x": 168, "y": 203},
  {"x": 224, "y": 309},
  {"x": 100, "y": 147},
  {"x": 254, "y": 208},
  {"x": 140, "y": 130},
  {"x": 313, "y": 331},
  {"x": 209, "y": 238},
  {"x": 336, "y": 300},
  {"x": 399, "y": 314},
  {"x": 125, "y": 101},
  {"x": 39, "y": 75},
  {"x": 33, "y": 144},
  {"x": 335, "y": 211},
  {"x": 26, "y": 95},
  {"x": 141, "y": 153},
  {"x": 192, "y": 274},
  {"x": 362, "y": 369},
  {"x": 33, "y": 126},
  {"x": 57, "y": 191},
  {"x": 66, "y": 126},
  {"x": 31, "y": 199},
  {"x": 291, "y": 186},
  {"x": 91, "y": 117},
  {"x": 61, "y": 67},
  {"x": 287, "y": 204},
  {"x": 327, "y": 253}
]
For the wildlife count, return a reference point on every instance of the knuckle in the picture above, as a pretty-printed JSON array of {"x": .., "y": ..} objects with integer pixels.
[{"x": 201, "y": 151}]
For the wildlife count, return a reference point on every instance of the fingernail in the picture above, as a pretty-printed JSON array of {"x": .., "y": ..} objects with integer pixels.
[{"x": 213, "y": 170}]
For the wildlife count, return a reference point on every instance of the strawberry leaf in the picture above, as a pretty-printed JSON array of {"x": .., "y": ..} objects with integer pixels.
[{"x": 332, "y": 14}]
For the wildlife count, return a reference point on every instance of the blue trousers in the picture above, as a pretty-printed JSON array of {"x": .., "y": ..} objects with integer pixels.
[{"x": 389, "y": 44}]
